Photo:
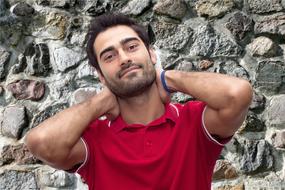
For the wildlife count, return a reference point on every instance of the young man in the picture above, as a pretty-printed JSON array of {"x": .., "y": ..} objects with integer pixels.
[{"x": 145, "y": 142}]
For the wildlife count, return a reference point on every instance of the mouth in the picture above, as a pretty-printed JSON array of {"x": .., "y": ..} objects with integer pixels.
[{"x": 131, "y": 68}]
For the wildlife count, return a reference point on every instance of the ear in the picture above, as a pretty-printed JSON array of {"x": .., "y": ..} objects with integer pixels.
[
  {"x": 153, "y": 55},
  {"x": 101, "y": 78}
]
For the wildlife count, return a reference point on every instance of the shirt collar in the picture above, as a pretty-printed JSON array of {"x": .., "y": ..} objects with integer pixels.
[{"x": 171, "y": 113}]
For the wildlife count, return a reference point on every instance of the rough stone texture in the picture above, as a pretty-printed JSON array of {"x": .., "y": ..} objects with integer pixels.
[
  {"x": 83, "y": 94},
  {"x": 265, "y": 6},
  {"x": 23, "y": 9},
  {"x": 66, "y": 58},
  {"x": 258, "y": 101},
  {"x": 262, "y": 46},
  {"x": 252, "y": 124},
  {"x": 224, "y": 170},
  {"x": 271, "y": 24},
  {"x": 37, "y": 59},
  {"x": 16, "y": 180},
  {"x": 173, "y": 8},
  {"x": 205, "y": 64},
  {"x": 239, "y": 186},
  {"x": 269, "y": 77},
  {"x": 239, "y": 25},
  {"x": 12, "y": 121},
  {"x": 256, "y": 156},
  {"x": 136, "y": 7},
  {"x": 207, "y": 43},
  {"x": 97, "y": 7},
  {"x": 1, "y": 90},
  {"x": 214, "y": 8},
  {"x": 27, "y": 89},
  {"x": 264, "y": 183},
  {"x": 18, "y": 153},
  {"x": 274, "y": 113},
  {"x": 48, "y": 177},
  {"x": 4, "y": 59},
  {"x": 278, "y": 139},
  {"x": 171, "y": 36}
]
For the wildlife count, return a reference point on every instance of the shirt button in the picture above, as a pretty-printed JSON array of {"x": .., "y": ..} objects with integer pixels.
[{"x": 148, "y": 143}]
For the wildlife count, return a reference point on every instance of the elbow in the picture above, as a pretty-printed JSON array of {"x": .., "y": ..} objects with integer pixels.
[{"x": 242, "y": 94}]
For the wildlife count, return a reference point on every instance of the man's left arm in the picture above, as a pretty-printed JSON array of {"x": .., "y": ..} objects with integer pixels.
[{"x": 227, "y": 98}]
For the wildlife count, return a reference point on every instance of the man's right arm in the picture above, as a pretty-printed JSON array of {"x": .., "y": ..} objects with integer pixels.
[{"x": 57, "y": 142}]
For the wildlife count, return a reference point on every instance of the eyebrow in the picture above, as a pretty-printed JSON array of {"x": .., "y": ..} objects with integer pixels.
[{"x": 124, "y": 41}]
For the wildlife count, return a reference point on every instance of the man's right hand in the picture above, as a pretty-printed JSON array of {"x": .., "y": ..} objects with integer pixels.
[{"x": 112, "y": 106}]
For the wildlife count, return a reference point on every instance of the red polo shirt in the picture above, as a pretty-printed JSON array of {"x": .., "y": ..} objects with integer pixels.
[{"x": 171, "y": 153}]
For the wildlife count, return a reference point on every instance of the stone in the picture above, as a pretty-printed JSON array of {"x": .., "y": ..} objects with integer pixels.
[
  {"x": 136, "y": 7},
  {"x": 61, "y": 3},
  {"x": 49, "y": 177},
  {"x": 208, "y": 43},
  {"x": 13, "y": 120},
  {"x": 20, "y": 65},
  {"x": 258, "y": 101},
  {"x": 78, "y": 38},
  {"x": 172, "y": 8},
  {"x": 262, "y": 46},
  {"x": 239, "y": 24},
  {"x": 270, "y": 24},
  {"x": 278, "y": 139},
  {"x": 4, "y": 60},
  {"x": 86, "y": 70},
  {"x": 47, "y": 112},
  {"x": 224, "y": 170},
  {"x": 54, "y": 28},
  {"x": 180, "y": 97},
  {"x": 264, "y": 6},
  {"x": 205, "y": 64},
  {"x": 264, "y": 183},
  {"x": 66, "y": 58},
  {"x": 274, "y": 112},
  {"x": 3, "y": 7},
  {"x": 27, "y": 89},
  {"x": 18, "y": 153},
  {"x": 239, "y": 186},
  {"x": 171, "y": 36},
  {"x": 256, "y": 156},
  {"x": 1, "y": 90},
  {"x": 23, "y": 9},
  {"x": 37, "y": 59},
  {"x": 96, "y": 7},
  {"x": 214, "y": 8},
  {"x": 83, "y": 94},
  {"x": 252, "y": 124},
  {"x": 269, "y": 77},
  {"x": 14, "y": 180}
]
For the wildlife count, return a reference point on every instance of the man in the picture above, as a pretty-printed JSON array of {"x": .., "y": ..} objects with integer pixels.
[{"x": 145, "y": 142}]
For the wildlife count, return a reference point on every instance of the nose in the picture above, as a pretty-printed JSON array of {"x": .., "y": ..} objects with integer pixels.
[{"x": 124, "y": 57}]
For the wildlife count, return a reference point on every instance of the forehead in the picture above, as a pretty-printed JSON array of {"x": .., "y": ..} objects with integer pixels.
[{"x": 112, "y": 37}]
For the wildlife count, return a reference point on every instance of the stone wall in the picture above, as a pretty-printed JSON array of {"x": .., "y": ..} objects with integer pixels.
[{"x": 44, "y": 69}]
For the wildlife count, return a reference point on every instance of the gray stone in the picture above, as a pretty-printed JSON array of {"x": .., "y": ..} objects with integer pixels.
[
  {"x": 252, "y": 124},
  {"x": 27, "y": 89},
  {"x": 172, "y": 8},
  {"x": 170, "y": 36},
  {"x": 83, "y": 94},
  {"x": 12, "y": 121},
  {"x": 214, "y": 8},
  {"x": 239, "y": 25},
  {"x": 66, "y": 58},
  {"x": 256, "y": 156},
  {"x": 271, "y": 24},
  {"x": 49, "y": 177},
  {"x": 264, "y": 6},
  {"x": 136, "y": 7},
  {"x": 208, "y": 43},
  {"x": 18, "y": 153},
  {"x": 269, "y": 77},
  {"x": 275, "y": 183},
  {"x": 4, "y": 59},
  {"x": 86, "y": 70},
  {"x": 3, "y": 7},
  {"x": 205, "y": 64},
  {"x": 274, "y": 113},
  {"x": 1, "y": 90},
  {"x": 47, "y": 112},
  {"x": 180, "y": 97},
  {"x": 278, "y": 139},
  {"x": 231, "y": 68},
  {"x": 23, "y": 9},
  {"x": 20, "y": 65},
  {"x": 16, "y": 180},
  {"x": 258, "y": 102},
  {"x": 262, "y": 46},
  {"x": 78, "y": 38},
  {"x": 61, "y": 3},
  {"x": 95, "y": 7},
  {"x": 37, "y": 59},
  {"x": 224, "y": 170}
]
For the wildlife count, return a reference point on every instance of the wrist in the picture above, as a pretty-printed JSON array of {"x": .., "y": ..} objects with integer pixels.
[{"x": 169, "y": 80}]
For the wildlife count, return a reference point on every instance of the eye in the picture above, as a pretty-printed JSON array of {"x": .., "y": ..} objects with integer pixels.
[
  {"x": 133, "y": 47},
  {"x": 109, "y": 56}
]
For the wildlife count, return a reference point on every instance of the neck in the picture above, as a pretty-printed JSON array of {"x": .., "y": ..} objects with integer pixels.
[{"x": 142, "y": 109}]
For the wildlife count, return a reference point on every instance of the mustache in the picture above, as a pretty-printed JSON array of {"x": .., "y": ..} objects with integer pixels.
[{"x": 126, "y": 66}]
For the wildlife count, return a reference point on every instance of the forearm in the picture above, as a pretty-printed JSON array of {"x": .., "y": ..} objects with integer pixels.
[
  {"x": 55, "y": 137},
  {"x": 217, "y": 90}
]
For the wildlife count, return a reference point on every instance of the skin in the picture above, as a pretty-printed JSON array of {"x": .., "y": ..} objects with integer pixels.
[{"x": 227, "y": 98}]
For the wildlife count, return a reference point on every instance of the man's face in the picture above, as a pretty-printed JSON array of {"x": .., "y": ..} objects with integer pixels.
[{"x": 126, "y": 64}]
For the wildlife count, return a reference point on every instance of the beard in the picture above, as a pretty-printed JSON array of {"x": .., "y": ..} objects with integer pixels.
[{"x": 134, "y": 85}]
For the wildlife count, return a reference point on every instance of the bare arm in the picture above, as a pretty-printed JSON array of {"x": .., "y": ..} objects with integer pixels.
[
  {"x": 227, "y": 98},
  {"x": 57, "y": 142}
]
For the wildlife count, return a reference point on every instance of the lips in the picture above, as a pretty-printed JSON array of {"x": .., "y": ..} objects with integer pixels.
[{"x": 125, "y": 71}]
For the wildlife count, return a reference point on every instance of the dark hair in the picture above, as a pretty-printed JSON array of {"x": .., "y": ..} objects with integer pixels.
[{"x": 105, "y": 21}]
